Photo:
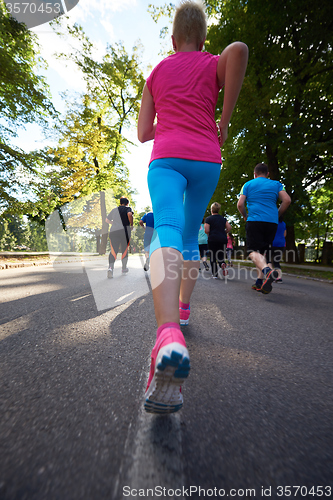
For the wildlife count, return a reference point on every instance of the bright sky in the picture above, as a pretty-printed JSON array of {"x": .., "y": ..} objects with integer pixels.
[{"x": 104, "y": 21}]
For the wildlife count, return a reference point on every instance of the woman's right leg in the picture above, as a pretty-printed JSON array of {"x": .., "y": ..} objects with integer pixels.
[{"x": 165, "y": 275}]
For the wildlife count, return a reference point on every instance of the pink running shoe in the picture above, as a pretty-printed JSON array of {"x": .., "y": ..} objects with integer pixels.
[
  {"x": 170, "y": 366},
  {"x": 184, "y": 315}
]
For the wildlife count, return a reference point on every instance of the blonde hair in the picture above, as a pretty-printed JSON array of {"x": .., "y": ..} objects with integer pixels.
[
  {"x": 215, "y": 207},
  {"x": 190, "y": 23}
]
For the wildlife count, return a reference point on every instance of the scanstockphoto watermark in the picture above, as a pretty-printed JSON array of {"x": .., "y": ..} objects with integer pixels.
[
  {"x": 198, "y": 492},
  {"x": 36, "y": 12},
  {"x": 191, "y": 491}
]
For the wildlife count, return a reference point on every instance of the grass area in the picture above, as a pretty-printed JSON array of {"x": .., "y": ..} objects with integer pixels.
[
  {"x": 311, "y": 273},
  {"x": 299, "y": 271},
  {"x": 19, "y": 258}
]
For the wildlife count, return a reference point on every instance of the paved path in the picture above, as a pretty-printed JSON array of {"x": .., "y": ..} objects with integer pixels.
[{"x": 74, "y": 351}]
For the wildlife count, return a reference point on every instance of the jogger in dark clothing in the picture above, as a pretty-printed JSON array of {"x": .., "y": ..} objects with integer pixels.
[
  {"x": 217, "y": 227},
  {"x": 121, "y": 219}
]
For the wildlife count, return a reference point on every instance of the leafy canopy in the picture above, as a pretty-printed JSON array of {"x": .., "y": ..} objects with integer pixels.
[{"x": 24, "y": 98}]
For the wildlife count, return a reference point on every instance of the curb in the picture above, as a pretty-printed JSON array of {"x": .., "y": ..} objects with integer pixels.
[
  {"x": 308, "y": 277},
  {"x": 13, "y": 265}
]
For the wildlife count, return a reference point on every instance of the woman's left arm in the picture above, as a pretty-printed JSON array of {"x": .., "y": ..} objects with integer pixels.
[{"x": 146, "y": 126}]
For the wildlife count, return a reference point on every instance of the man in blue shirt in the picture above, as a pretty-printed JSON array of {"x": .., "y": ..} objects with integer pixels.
[
  {"x": 261, "y": 195},
  {"x": 147, "y": 219}
]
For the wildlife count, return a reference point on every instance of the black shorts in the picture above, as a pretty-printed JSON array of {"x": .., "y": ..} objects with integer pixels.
[{"x": 260, "y": 236}]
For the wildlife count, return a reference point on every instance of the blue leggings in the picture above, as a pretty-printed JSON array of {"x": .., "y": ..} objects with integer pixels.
[{"x": 180, "y": 191}]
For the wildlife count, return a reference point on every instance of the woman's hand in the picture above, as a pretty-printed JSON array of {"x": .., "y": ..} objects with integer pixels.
[{"x": 223, "y": 133}]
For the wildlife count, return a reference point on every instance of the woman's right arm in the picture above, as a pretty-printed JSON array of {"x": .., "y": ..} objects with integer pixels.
[
  {"x": 146, "y": 126},
  {"x": 231, "y": 69}
]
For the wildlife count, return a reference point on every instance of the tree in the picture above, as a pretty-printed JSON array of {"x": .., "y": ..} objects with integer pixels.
[
  {"x": 92, "y": 139},
  {"x": 284, "y": 112},
  {"x": 24, "y": 98},
  {"x": 319, "y": 224},
  {"x": 37, "y": 239}
]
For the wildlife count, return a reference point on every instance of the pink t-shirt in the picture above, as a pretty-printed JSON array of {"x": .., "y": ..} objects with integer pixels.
[{"x": 185, "y": 89}]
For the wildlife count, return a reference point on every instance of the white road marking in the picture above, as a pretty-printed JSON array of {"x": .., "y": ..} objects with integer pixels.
[
  {"x": 121, "y": 288},
  {"x": 153, "y": 451}
]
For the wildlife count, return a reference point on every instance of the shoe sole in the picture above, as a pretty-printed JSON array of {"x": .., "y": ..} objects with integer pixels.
[
  {"x": 267, "y": 284},
  {"x": 172, "y": 368},
  {"x": 110, "y": 274}
]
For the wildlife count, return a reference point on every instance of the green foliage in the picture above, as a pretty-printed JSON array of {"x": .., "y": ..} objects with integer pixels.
[
  {"x": 116, "y": 80},
  {"x": 24, "y": 99},
  {"x": 7, "y": 239},
  {"x": 37, "y": 237},
  {"x": 319, "y": 223},
  {"x": 20, "y": 234},
  {"x": 283, "y": 116},
  {"x": 86, "y": 144},
  {"x": 284, "y": 113},
  {"x": 92, "y": 141},
  {"x": 167, "y": 11}
]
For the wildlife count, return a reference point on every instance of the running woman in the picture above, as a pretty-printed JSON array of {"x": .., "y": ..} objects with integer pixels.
[
  {"x": 217, "y": 226},
  {"x": 185, "y": 166},
  {"x": 203, "y": 245}
]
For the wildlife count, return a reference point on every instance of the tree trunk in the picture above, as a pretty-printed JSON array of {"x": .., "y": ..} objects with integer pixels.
[
  {"x": 291, "y": 250},
  {"x": 105, "y": 226},
  {"x": 327, "y": 254},
  {"x": 301, "y": 252},
  {"x": 318, "y": 242},
  {"x": 98, "y": 240},
  {"x": 272, "y": 163}
]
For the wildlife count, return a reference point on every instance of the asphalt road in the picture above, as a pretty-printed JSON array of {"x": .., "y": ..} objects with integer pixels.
[{"x": 75, "y": 348}]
